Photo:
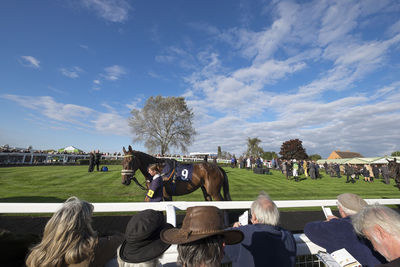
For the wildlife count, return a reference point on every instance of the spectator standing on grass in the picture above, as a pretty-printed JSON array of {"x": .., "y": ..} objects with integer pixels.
[
  {"x": 69, "y": 239},
  {"x": 91, "y": 161},
  {"x": 381, "y": 225},
  {"x": 295, "y": 170},
  {"x": 349, "y": 173},
  {"x": 264, "y": 243},
  {"x": 312, "y": 170},
  {"x": 97, "y": 159},
  {"x": 284, "y": 168},
  {"x": 142, "y": 246},
  {"x": 202, "y": 237},
  {"x": 337, "y": 169},
  {"x": 375, "y": 171},
  {"x": 305, "y": 167},
  {"x": 337, "y": 233},
  {"x": 366, "y": 174},
  {"x": 385, "y": 173}
]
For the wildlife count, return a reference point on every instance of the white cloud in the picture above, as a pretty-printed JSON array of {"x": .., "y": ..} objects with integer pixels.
[
  {"x": 136, "y": 103},
  {"x": 84, "y": 46},
  {"x": 250, "y": 100},
  {"x": 110, "y": 10},
  {"x": 29, "y": 61},
  {"x": 96, "y": 81},
  {"x": 72, "y": 72},
  {"x": 114, "y": 73},
  {"x": 111, "y": 123},
  {"x": 53, "y": 114}
]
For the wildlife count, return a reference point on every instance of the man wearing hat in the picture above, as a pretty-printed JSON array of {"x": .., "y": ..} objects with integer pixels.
[
  {"x": 337, "y": 233},
  {"x": 142, "y": 242},
  {"x": 202, "y": 238}
]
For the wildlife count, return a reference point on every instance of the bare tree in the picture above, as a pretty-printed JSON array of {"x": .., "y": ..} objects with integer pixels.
[{"x": 163, "y": 123}]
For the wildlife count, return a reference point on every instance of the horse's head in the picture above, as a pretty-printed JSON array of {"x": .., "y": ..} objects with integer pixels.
[{"x": 129, "y": 166}]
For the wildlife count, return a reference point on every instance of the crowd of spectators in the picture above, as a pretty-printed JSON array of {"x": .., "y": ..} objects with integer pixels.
[{"x": 204, "y": 241}]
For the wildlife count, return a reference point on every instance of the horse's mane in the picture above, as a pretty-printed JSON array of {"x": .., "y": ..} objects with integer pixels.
[{"x": 146, "y": 158}]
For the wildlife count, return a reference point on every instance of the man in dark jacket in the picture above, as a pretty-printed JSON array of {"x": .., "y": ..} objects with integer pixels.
[
  {"x": 349, "y": 173},
  {"x": 91, "y": 161},
  {"x": 264, "y": 243},
  {"x": 385, "y": 173},
  {"x": 375, "y": 171},
  {"x": 97, "y": 159},
  {"x": 337, "y": 233}
]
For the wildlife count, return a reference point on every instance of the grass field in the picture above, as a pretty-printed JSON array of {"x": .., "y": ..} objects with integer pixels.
[{"x": 57, "y": 183}]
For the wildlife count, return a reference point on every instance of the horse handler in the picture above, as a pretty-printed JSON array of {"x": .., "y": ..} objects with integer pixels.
[{"x": 155, "y": 192}]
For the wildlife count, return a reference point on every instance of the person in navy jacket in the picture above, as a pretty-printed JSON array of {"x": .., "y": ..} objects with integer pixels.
[
  {"x": 264, "y": 243},
  {"x": 155, "y": 192},
  {"x": 337, "y": 233}
]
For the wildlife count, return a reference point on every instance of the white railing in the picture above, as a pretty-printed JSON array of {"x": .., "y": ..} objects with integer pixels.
[{"x": 304, "y": 245}]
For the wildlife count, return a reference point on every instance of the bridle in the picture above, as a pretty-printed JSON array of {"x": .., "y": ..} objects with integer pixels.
[
  {"x": 130, "y": 174},
  {"x": 125, "y": 171}
]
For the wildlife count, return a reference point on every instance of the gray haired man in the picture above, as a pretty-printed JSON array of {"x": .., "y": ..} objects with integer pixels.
[
  {"x": 381, "y": 225},
  {"x": 264, "y": 243}
]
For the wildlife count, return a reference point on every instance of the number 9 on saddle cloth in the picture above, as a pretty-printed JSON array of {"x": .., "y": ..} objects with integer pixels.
[{"x": 177, "y": 171}]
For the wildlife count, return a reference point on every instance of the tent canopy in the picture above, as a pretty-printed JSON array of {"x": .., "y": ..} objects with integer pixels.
[{"x": 70, "y": 149}]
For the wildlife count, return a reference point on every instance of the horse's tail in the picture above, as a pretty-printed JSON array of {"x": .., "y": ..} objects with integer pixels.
[{"x": 225, "y": 185}]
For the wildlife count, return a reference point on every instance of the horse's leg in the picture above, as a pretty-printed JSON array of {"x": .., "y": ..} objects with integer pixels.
[
  {"x": 213, "y": 191},
  {"x": 166, "y": 196},
  {"x": 207, "y": 197}
]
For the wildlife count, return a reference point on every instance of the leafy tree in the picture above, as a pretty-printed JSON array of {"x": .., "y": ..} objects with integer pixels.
[
  {"x": 219, "y": 153},
  {"x": 293, "y": 149},
  {"x": 163, "y": 123},
  {"x": 269, "y": 155},
  {"x": 396, "y": 154},
  {"x": 253, "y": 148},
  {"x": 315, "y": 157}
]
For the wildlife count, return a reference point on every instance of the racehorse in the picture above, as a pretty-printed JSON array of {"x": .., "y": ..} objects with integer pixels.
[
  {"x": 394, "y": 171},
  {"x": 209, "y": 177}
]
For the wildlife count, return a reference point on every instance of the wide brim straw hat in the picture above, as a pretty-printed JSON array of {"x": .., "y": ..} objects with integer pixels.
[
  {"x": 201, "y": 222},
  {"x": 142, "y": 237}
]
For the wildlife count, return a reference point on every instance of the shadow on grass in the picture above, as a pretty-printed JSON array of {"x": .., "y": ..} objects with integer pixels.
[{"x": 32, "y": 199}]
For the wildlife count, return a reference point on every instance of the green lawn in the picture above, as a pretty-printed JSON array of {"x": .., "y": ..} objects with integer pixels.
[{"x": 57, "y": 183}]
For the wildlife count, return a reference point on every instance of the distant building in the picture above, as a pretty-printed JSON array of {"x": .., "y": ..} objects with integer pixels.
[{"x": 337, "y": 154}]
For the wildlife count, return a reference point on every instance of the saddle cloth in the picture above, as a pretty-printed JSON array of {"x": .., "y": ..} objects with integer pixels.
[{"x": 183, "y": 172}]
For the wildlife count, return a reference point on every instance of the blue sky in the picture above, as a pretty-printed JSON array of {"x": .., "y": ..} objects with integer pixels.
[{"x": 326, "y": 72}]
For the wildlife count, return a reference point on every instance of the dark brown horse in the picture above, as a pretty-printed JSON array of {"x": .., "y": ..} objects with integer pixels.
[{"x": 209, "y": 177}]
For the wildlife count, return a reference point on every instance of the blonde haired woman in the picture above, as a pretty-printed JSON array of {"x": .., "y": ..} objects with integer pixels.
[{"x": 69, "y": 239}]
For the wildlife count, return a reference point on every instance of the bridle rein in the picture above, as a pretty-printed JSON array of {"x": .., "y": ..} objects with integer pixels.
[{"x": 130, "y": 174}]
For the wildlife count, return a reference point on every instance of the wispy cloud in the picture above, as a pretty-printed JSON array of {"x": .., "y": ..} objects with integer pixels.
[
  {"x": 53, "y": 113},
  {"x": 110, "y": 10},
  {"x": 248, "y": 100},
  {"x": 84, "y": 46},
  {"x": 179, "y": 56},
  {"x": 113, "y": 73},
  {"x": 30, "y": 61},
  {"x": 136, "y": 103},
  {"x": 72, "y": 72}
]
